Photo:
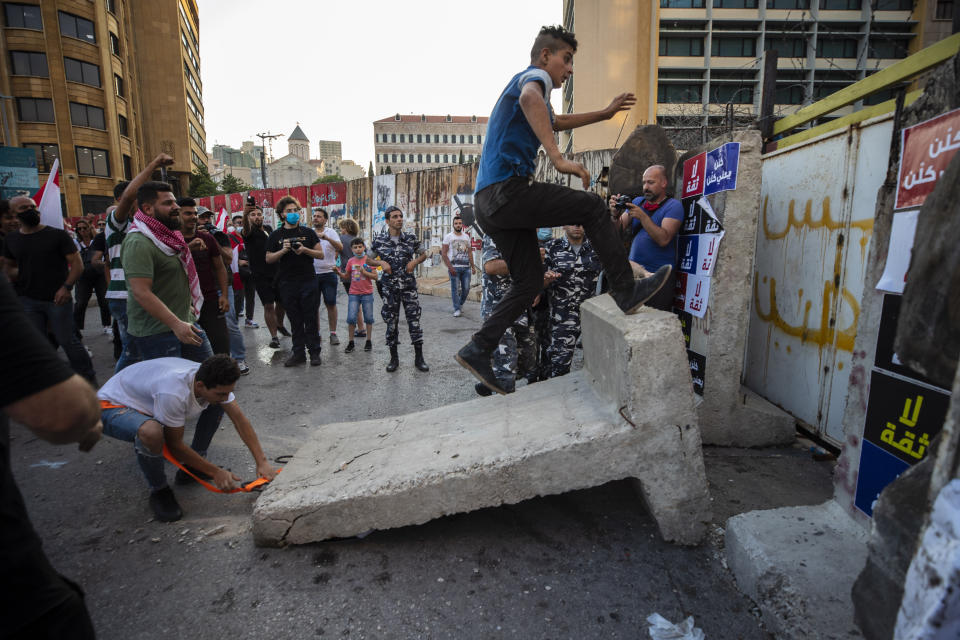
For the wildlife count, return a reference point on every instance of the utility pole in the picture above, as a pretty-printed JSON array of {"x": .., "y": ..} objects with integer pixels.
[{"x": 263, "y": 157}]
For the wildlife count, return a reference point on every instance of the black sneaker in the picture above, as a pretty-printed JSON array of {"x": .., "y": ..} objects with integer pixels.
[
  {"x": 295, "y": 359},
  {"x": 361, "y": 333},
  {"x": 275, "y": 342},
  {"x": 315, "y": 359},
  {"x": 350, "y": 347},
  {"x": 368, "y": 346},
  {"x": 482, "y": 390},
  {"x": 164, "y": 505},
  {"x": 182, "y": 478},
  {"x": 477, "y": 362},
  {"x": 283, "y": 331},
  {"x": 630, "y": 301}
]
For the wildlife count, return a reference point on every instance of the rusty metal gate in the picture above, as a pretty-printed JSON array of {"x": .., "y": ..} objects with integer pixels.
[{"x": 818, "y": 202}]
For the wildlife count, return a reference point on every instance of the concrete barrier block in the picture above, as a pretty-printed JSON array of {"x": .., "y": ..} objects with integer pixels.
[{"x": 552, "y": 437}]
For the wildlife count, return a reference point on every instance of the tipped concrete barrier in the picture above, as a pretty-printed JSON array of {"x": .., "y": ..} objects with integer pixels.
[{"x": 628, "y": 414}]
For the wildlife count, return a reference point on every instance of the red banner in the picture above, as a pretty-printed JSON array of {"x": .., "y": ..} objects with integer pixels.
[
  {"x": 927, "y": 149},
  {"x": 236, "y": 202},
  {"x": 300, "y": 193},
  {"x": 279, "y": 193},
  {"x": 219, "y": 202},
  {"x": 324, "y": 195},
  {"x": 264, "y": 198},
  {"x": 204, "y": 202},
  {"x": 693, "y": 171}
]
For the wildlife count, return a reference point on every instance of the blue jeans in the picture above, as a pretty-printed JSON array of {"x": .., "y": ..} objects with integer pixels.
[
  {"x": 238, "y": 351},
  {"x": 166, "y": 345},
  {"x": 462, "y": 281},
  {"x": 123, "y": 423},
  {"x": 59, "y": 319},
  {"x": 354, "y": 302},
  {"x": 129, "y": 354}
]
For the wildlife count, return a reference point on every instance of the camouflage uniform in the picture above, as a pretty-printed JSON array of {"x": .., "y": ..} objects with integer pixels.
[
  {"x": 508, "y": 363},
  {"x": 398, "y": 287},
  {"x": 577, "y": 282}
]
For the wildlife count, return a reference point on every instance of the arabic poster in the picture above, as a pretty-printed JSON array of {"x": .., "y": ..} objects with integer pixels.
[
  {"x": 236, "y": 202},
  {"x": 329, "y": 196},
  {"x": 720, "y": 173},
  {"x": 926, "y": 150},
  {"x": 903, "y": 418},
  {"x": 693, "y": 170},
  {"x": 902, "y": 231},
  {"x": 696, "y": 296}
]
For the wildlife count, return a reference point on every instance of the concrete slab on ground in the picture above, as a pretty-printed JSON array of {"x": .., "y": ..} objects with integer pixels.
[
  {"x": 799, "y": 565},
  {"x": 629, "y": 416},
  {"x": 440, "y": 287}
]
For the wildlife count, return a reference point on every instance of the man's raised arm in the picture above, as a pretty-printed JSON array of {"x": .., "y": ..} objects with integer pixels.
[{"x": 127, "y": 204}]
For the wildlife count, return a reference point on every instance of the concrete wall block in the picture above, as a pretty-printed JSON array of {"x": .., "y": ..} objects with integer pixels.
[{"x": 638, "y": 362}]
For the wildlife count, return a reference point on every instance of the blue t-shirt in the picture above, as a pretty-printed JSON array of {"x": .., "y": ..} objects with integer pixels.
[
  {"x": 511, "y": 145},
  {"x": 644, "y": 250}
]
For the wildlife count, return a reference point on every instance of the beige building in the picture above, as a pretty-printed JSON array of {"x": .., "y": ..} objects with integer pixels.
[
  {"x": 73, "y": 70},
  {"x": 706, "y": 56},
  {"x": 415, "y": 142},
  {"x": 350, "y": 170},
  {"x": 295, "y": 168}
]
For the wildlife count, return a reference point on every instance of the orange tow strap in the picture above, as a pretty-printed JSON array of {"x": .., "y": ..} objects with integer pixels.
[{"x": 246, "y": 487}]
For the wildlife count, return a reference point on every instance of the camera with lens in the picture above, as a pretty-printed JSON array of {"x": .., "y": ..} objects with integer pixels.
[
  {"x": 621, "y": 202},
  {"x": 295, "y": 244},
  {"x": 209, "y": 228}
]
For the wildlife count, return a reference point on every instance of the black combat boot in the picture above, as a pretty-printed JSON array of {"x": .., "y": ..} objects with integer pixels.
[
  {"x": 394, "y": 360},
  {"x": 419, "y": 362}
]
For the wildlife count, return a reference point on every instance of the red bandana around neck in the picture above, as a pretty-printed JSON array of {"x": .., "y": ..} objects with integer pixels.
[{"x": 171, "y": 243}]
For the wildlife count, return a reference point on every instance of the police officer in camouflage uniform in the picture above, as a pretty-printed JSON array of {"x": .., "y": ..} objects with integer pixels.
[
  {"x": 573, "y": 258},
  {"x": 396, "y": 252},
  {"x": 515, "y": 355}
]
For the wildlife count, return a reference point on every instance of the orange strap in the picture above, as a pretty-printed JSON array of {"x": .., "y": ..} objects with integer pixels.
[{"x": 246, "y": 487}]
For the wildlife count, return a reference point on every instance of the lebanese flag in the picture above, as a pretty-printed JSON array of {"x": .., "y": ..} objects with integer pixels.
[
  {"x": 223, "y": 219},
  {"x": 48, "y": 199}
]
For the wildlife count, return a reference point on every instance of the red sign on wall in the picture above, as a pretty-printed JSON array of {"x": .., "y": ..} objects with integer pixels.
[
  {"x": 300, "y": 193},
  {"x": 322, "y": 195},
  {"x": 693, "y": 172},
  {"x": 264, "y": 197},
  {"x": 926, "y": 150},
  {"x": 236, "y": 203}
]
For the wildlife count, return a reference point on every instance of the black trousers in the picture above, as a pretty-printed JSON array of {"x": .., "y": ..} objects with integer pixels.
[
  {"x": 215, "y": 325},
  {"x": 301, "y": 300},
  {"x": 91, "y": 280},
  {"x": 511, "y": 212}
]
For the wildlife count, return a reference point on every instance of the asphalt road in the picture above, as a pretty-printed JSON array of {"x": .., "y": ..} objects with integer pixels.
[{"x": 587, "y": 564}]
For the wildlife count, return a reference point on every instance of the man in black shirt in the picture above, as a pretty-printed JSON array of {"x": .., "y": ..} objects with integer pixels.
[
  {"x": 38, "y": 390},
  {"x": 208, "y": 260},
  {"x": 255, "y": 236},
  {"x": 36, "y": 258},
  {"x": 291, "y": 248}
]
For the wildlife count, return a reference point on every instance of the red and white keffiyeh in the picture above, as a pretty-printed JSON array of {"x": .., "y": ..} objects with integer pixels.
[{"x": 171, "y": 243}]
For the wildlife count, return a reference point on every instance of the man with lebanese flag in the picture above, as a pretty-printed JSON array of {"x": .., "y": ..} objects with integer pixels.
[{"x": 42, "y": 262}]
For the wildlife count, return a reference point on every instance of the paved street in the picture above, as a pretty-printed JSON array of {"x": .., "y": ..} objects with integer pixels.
[{"x": 588, "y": 564}]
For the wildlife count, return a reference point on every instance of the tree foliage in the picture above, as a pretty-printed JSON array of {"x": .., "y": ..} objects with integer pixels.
[
  {"x": 370, "y": 171},
  {"x": 233, "y": 184},
  {"x": 332, "y": 178},
  {"x": 201, "y": 184}
]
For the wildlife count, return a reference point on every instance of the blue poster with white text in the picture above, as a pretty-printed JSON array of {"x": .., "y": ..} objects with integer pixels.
[{"x": 721, "y": 171}]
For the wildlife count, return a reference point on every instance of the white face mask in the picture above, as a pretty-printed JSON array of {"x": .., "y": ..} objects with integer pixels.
[{"x": 231, "y": 229}]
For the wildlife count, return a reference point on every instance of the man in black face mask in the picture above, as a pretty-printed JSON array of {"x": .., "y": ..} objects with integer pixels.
[{"x": 43, "y": 263}]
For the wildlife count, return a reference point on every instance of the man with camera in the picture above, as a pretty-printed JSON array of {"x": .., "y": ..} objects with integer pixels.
[
  {"x": 655, "y": 220},
  {"x": 293, "y": 249}
]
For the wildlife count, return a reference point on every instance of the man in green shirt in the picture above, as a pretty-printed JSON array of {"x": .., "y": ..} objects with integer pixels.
[{"x": 164, "y": 295}]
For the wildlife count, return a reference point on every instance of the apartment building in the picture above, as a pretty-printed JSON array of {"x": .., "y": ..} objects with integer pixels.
[
  {"x": 703, "y": 60},
  {"x": 85, "y": 82},
  {"x": 414, "y": 142}
]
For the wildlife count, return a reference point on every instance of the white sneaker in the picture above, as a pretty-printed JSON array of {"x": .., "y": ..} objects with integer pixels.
[
  {"x": 457, "y": 314},
  {"x": 108, "y": 331},
  {"x": 244, "y": 369}
]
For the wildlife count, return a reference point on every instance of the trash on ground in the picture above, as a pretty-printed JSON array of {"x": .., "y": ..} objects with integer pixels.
[{"x": 663, "y": 629}]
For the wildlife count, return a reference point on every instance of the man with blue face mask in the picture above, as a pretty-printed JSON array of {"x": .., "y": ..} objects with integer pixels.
[{"x": 293, "y": 248}]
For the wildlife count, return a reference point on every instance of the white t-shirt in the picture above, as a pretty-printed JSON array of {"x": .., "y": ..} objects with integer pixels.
[
  {"x": 329, "y": 252},
  {"x": 161, "y": 388},
  {"x": 458, "y": 250}
]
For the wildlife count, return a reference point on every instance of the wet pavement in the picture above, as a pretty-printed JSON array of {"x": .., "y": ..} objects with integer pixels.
[{"x": 586, "y": 564}]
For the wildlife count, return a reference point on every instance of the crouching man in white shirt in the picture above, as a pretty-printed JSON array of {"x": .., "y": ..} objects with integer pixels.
[{"x": 149, "y": 403}]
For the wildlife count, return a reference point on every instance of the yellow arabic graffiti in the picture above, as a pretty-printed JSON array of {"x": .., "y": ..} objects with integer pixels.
[
  {"x": 822, "y": 336},
  {"x": 826, "y": 221}
]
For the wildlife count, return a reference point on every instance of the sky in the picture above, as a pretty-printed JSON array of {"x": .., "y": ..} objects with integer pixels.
[{"x": 335, "y": 67}]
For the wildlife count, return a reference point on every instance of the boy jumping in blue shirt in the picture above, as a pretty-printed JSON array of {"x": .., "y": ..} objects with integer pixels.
[{"x": 510, "y": 206}]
